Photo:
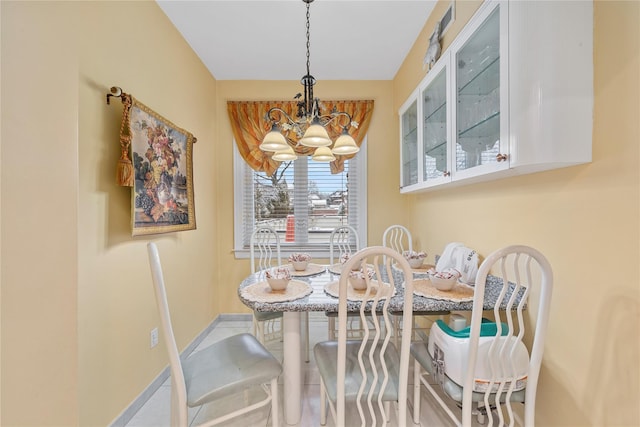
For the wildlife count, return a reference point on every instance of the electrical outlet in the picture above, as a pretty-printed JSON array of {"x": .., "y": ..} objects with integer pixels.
[{"x": 154, "y": 337}]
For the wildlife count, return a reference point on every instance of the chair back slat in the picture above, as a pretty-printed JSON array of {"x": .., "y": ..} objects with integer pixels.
[
  {"x": 343, "y": 240},
  {"x": 398, "y": 238},
  {"x": 374, "y": 335},
  {"x": 264, "y": 249}
]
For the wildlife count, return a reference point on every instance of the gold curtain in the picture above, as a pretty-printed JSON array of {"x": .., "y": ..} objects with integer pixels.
[{"x": 249, "y": 125}]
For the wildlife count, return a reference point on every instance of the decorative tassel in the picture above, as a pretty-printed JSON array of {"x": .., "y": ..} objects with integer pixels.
[{"x": 124, "y": 173}]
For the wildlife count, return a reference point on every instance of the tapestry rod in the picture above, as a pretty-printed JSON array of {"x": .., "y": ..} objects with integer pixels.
[{"x": 117, "y": 92}]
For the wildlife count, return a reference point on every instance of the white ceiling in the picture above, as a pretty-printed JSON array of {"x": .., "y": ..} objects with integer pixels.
[{"x": 266, "y": 39}]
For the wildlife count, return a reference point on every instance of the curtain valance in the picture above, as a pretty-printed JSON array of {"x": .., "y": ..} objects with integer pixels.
[{"x": 249, "y": 125}]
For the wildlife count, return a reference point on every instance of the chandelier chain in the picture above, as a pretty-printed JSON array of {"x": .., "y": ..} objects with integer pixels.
[
  {"x": 308, "y": 37},
  {"x": 311, "y": 124}
]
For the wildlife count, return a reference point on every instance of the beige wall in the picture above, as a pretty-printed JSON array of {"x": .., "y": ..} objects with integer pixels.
[
  {"x": 77, "y": 301},
  {"x": 584, "y": 218},
  {"x": 382, "y": 161}
]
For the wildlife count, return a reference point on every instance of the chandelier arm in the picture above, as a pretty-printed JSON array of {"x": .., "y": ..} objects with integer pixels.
[
  {"x": 327, "y": 119},
  {"x": 335, "y": 115},
  {"x": 296, "y": 126},
  {"x": 271, "y": 118}
]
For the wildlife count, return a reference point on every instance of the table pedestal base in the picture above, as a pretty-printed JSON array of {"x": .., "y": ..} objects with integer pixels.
[{"x": 292, "y": 367}]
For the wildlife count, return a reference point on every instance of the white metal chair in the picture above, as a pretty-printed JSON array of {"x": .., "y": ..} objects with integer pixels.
[
  {"x": 398, "y": 237},
  {"x": 369, "y": 372},
  {"x": 343, "y": 240},
  {"x": 226, "y": 367},
  {"x": 486, "y": 367},
  {"x": 265, "y": 254}
]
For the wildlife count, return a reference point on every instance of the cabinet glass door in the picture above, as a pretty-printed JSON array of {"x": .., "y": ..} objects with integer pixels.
[
  {"x": 478, "y": 96},
  {"x": 435, "y": 135},
  {"x": 409, "y": 131}
]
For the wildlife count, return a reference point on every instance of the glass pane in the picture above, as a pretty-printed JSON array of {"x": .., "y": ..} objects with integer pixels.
[
  {"x": 478, "y": 96},
  {"x": 303, "y": 201},
  {"x": 434, "y": 100},
  {"x": 327, "y": 201},
  {"x": 410, "y": 145}
]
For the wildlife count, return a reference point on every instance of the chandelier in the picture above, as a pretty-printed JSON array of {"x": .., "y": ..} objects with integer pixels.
[{"x": 309, "y": 124}]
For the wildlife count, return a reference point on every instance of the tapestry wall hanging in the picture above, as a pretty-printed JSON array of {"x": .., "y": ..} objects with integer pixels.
[{"x": 159, "y": 169}]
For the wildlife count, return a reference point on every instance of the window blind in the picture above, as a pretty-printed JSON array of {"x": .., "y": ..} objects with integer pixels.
[{"x": 302, "y": 201}]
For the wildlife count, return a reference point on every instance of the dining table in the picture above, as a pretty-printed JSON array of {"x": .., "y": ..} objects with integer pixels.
[{"x": 315, "y": 289}]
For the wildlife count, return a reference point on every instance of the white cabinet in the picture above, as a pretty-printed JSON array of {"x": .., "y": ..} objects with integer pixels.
[
  {"x": 512, "y": 94},
  {"x": 426, "y": 162},
  {"x": 409, "y": 144},
  {"x": 436, "y": 129},
  {"x": 480, "y": 87}
]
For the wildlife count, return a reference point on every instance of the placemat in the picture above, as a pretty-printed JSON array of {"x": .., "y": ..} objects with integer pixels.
[
  {"x": 337, "y": 268},
  {"x": 261, "y": 292},
  {"x": 459, "y": 293},
  {"x": 311, "y": 270},
  {"x": 333, "y": 289},
  {"x": 422, "y": 270}
]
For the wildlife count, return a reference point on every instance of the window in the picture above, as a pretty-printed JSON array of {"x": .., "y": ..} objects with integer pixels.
[{"x": 303, "y": 202}]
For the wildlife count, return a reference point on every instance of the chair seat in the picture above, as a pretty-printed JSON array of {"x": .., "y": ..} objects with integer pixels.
[
  {"x": 420, "y": 352},
  {"x": 227, "y": 366},
  {"x": 326, "y": 354}
]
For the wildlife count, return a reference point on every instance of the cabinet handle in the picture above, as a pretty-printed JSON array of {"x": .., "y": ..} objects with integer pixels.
[
  {"x": 501, "y": 157},
  {"x": 447, "y": 173}
]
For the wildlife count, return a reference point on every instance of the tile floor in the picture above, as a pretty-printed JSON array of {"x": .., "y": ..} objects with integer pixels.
[{"x": 156, "y": 411}]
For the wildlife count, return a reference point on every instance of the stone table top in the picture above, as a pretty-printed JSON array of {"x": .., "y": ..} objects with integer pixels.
[{"x": 319, "y": 300}]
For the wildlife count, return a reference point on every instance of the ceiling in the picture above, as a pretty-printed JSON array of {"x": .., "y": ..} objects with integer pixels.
[{"x": 266, "y": 39}]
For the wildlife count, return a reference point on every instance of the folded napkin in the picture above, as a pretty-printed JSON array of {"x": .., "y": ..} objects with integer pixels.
[{"x": 465, "y": 260}]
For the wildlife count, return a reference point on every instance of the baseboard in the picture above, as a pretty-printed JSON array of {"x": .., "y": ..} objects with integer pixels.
[
  {"x": 139, "y": 401},
  {"x": 143, "y": 397},
  {"x": 235, "y": 317}
]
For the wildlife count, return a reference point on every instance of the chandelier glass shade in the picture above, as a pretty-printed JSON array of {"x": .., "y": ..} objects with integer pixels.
[
  {"x": 323, "y": 154},
  {"x": 345, "y": 144},
  {"x": 309, "y": 125},
  {"x": 274, "y": 140},
  {"x": 316, "y": 135},
  {"x": 285, "y": 155}
]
